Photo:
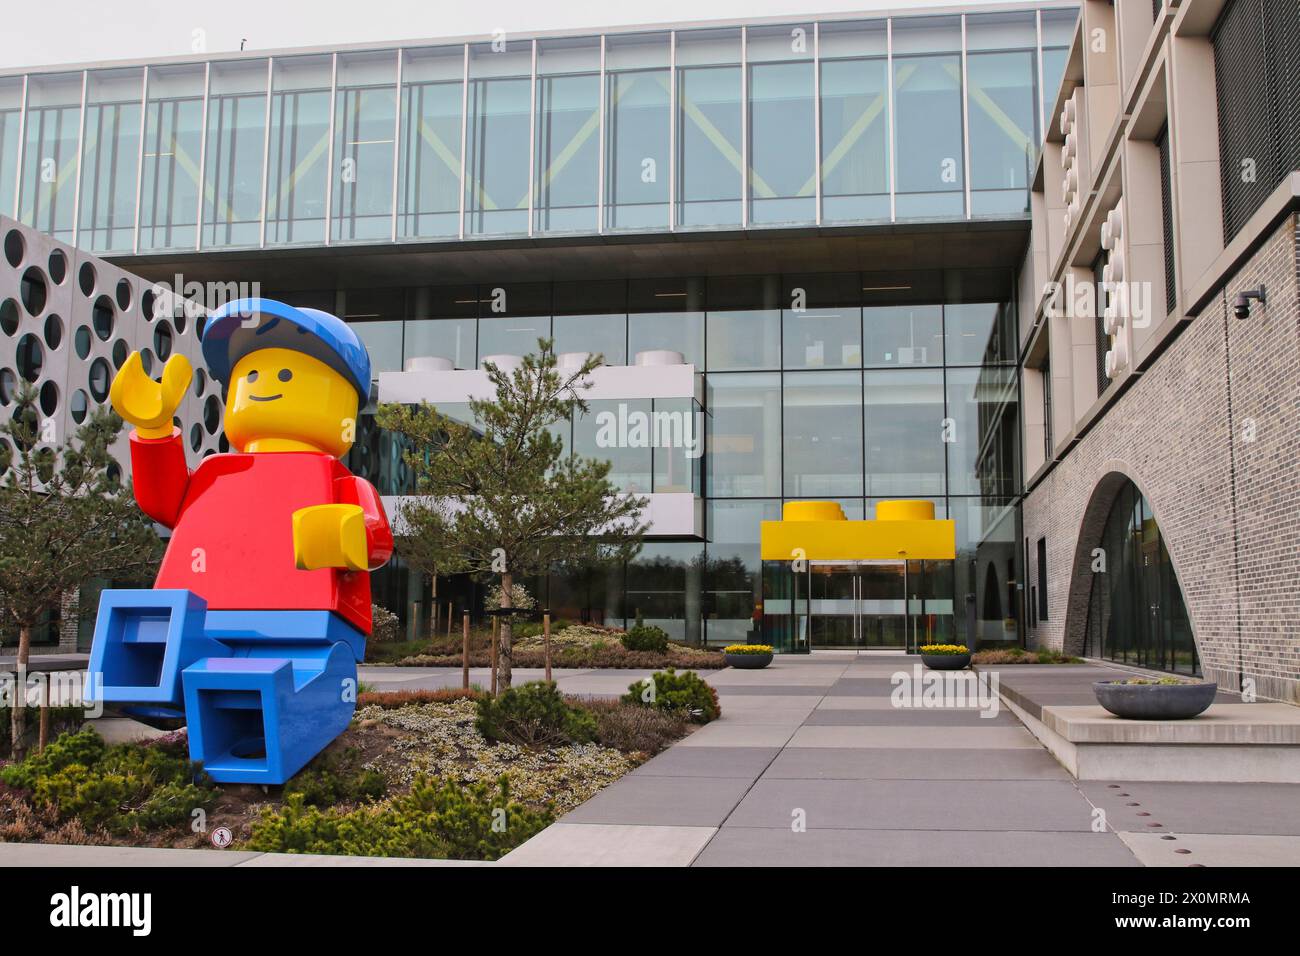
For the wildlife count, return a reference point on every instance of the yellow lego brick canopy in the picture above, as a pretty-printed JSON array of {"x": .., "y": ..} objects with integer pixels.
[{"x": 818, "y": 531}]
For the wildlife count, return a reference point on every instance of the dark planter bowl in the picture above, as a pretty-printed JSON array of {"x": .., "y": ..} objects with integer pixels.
[
  {"x": 748, "y": 661},
  {"x": 946, "y": 662},
  {"x": 1154, "y": 701}
]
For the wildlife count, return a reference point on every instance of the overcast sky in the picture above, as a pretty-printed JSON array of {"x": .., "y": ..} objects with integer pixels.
[{"x": 42, "y": 33}]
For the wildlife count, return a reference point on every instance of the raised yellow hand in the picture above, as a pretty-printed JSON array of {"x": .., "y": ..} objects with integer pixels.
[
  {"x": 146, "y": 404},
  {"x": 330, "y": 536}
]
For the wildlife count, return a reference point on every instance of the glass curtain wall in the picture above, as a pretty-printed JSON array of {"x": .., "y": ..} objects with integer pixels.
[
  {"x": 11, "y": 108},
  {"x": 855, "y": 115},
  {"x": 928, "y": 134},
  {"x": 710, "y": 125},
  {"x": 1057, "y": 31},
  {"x": 567, "y": 161},
  {"x": 638, "y": 131},
  {"x": 173, "y": 147},
  {"x": 430, "y": 162},
  {"x": 235, "y": 154},
  {"x": 110, "y": 160},
  {"x": 782, "y": 124},
  {"x": 1002, "y": 106},
  {"x": 498, "y": 137},
  {"x": 298, "y": 152},
  {"x": 49, "y": 183},
  {"x": 365, "y": 123}
]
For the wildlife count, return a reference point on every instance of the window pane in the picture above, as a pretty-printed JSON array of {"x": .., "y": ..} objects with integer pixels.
[
  {"x": 110, "y": 160},
  {"x": 903, "y": 334},
  {"x": 452, "y": 339},
  {"x": 855, "y": 140},
  {"x": 744, "y": 440},
  {"x": 749, "y": 339},
  {"x": 904, "y": 412},
  {"x": 983, "y": 455},
  {"x": 606, "y": 334},
  {"x": 173, "y": 136},
  {"x": 733, "y": 590},
  {"x": 365, "y": 115},
  {"x": 568, "y": 152},
  {"x": 638, "y": 123},
  {"x": 663, "y": 587},
  {"x": 928, "y": 118},
  {"x": 11, "y": 103},
  {"x": 596, "y": 435},
  {"x": 515, "y": 335},
  {"x": 429, "y": 199},
  {"x": 823, "y": 338},
  {"x": 822, "y": 434},
  {"x": 236, "y": 143},
  {"x": 677, "y": 331},
  {"x": 709, "y": 128},
  {"x": 1003, "y": 131},
  {"x": 979, "y": 333},
  {"x": 496, "y": 188},
  {"x": 1054, "y": 60},
  {"x": 300, "y": 118},
  {"x": 383, "y": 340},
  {"x": 987, "y": 569},
  {"x": 50, "y": 154},
  {"x": 782, "y": 136}
]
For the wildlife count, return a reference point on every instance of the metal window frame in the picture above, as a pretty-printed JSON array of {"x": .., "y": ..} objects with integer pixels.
[
  {"x": 1042, "y": 109},
  {"x": 81, "y": 145}
]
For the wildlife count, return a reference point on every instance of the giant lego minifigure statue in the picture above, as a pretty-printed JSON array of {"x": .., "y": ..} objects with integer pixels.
[{"x": 261, "y": 609}]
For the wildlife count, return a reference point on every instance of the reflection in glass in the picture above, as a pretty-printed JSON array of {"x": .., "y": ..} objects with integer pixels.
[
  {"x": 903, "y": 335},
  {"x": 983, "y": 407},
  {"x": 904, "y": 420},
  {"x": 606, "y": 334},
  {"x": 568, "y": 135},
  {"x": 822, "y": 338},
  {"x": 782, "y": 157},
  {"x": 236, "y": 144},
  {"x": 631, "y": 467},
  {"x": 732, "y": 582},
  {"x": 663, "y": 588},
  {"x": 979, "y": 333},
  {"x": 678, "y": 331},
  {"x": 928, "y": 118},
  {"x": 429, "y": 172},
  {"x": 299, "y": 150},
  {"x": 638, "y": 124},
  {"x": 709, "y": 128},
  {"x": 11, "y": 104},
  {"x": 822, "y": 434},
  {"x": 383, "y": 340},
  {"x": 496, "y": 170},
  {"x": 748, "y": 339},
  {"x": 987, "y": 570},
  {"x": 173, "y": 137},
  {"x": 110, "y": 160},
  {"x": 365, "y": 114},
  {"x": 452, "y": 339},
  {"x": 514, "y": 335},
  {"x": 744, "y": 435},
  {"x": 50, "y": 154},
  {"x": 1003, "y": 131}
]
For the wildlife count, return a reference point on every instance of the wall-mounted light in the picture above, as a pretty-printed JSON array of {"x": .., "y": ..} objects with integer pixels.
[{"x": 1241, "y": 303}]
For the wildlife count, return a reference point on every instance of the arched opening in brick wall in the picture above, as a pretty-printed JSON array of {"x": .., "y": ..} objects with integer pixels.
[{"x": 1125, "y": 602}]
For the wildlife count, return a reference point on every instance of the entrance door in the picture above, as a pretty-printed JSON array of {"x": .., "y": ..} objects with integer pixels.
[{"x": 860, "y": 604}]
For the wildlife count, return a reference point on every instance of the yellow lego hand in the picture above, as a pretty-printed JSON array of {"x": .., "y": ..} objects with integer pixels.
[
  {"x": 146, "y": 404},
  {"x": 330, "y": 536}
]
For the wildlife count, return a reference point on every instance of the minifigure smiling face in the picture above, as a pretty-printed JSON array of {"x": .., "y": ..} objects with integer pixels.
[{"x": 283, "y": 400}]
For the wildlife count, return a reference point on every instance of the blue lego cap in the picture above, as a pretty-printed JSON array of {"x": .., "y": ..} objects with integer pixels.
[{"x": 246, "y": 325}]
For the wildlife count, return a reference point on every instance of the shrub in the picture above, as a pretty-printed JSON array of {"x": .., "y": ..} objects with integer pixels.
[
  {"x": 436, "y": 819},
  {"x": 383, "y": 625},
  {"x": 632, "y": 728},
  {"x": 747, "y": 649},
  {"x": 646, "y": 637},
  {"x": 390, "y": 699},
  {"x": 120, "y": 788},
  {"x": 1018, "y": 655},
  {"x": 686, "y": 694},
  {"x": 336, "y": 776},
  {"x": 534, "y": 715},
  {"x": 61, "y": 719}
]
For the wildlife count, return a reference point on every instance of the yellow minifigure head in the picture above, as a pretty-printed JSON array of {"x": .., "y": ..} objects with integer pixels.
[{"x": 280, "y": 400}]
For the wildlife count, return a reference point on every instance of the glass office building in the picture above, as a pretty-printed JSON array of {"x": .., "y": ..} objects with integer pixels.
[{"x": 823, "y": 217}]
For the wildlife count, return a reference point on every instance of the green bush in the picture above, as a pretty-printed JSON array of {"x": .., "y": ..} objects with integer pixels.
[
  {"x": 120, "y": 788},
  {"x": 434, "y": 820},
  {"x": 646, "y": 637},
  {"x": 61, "y": 719},
  {"x": 534, "y": 715},
  {"x": 686, "y": 693},
  {"x": 632, "y": 728},
  {"x": 336, "y": 776}
]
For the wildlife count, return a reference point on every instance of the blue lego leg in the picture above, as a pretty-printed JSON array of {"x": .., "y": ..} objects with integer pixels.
[
  {"x": 280, "y": 693},
  {"x": 143, "y": 640}
]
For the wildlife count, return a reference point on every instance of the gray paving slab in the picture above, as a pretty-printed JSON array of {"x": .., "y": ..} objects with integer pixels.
[
  {"x": 915, "y": 805},
  {"x": 745, "y": 846},
  {"x": 862, "y": 687},
  {"x": 1214, "y": 849},
  {"x": 663, "y": 801},
  {"x": 744, "y": 763},
  {"x": 910, "y": 717},
  {"x": 834, "y": 763},
  {"x": 47, "y": 854},
  {"x": 595, "y": 844},
  {"x": 770, "y": 690},
  {"x": 1225, "y": 808},
  {"x": 975, "y": 738}
]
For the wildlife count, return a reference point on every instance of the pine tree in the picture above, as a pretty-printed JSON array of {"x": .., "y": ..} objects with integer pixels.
[
  {"x": 64, "y": 518},
  {"x": 503, "y": 499}
]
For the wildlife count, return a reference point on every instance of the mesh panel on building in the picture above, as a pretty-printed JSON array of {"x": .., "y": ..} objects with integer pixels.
[
  {"x": 1257, "y": 73},
  {"x": 1167, "y": 219}
]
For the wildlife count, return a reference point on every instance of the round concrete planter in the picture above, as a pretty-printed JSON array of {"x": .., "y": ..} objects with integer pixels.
[
  {"x": 946, "y": 662},
  {"x": 748, "y": 661},
  {"x": 1154, "y": 701}
]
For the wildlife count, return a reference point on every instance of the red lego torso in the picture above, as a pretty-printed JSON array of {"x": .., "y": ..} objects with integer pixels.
[{"x": 232, "y": 527}]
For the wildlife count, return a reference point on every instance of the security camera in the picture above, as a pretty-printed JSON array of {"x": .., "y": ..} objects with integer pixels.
[{"x": 1241, "y": 302}]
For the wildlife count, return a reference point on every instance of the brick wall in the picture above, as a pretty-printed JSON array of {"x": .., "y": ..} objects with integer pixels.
[{"x": 1211, "y": 435}]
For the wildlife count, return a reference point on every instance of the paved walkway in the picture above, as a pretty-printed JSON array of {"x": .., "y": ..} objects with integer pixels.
[{"x": 811, "y": 764}]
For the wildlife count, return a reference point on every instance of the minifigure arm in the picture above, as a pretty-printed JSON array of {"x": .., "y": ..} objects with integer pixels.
[
  {"x": 160, "y": 476},
  {"x": 379, "y": 536}
]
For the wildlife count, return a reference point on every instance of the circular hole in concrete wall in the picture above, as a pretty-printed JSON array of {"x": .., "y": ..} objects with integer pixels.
[
  {"x": 53, "y": 330},
  {"x": 28, "y": 423},
  {"x": 49, "y": 398},
  {"x": 100, "y": 378},
  {"x": 200, "y": 325},
  {"x": 121, "y": 352},
  {"x": 212, "y": 415},
  {"x": 81, "y": 341},
  {"x": 9, "y": 317},
  {"x": 78, "y": 405},
  {"x": 148, "y": 302},
  {"x": 223, "y": 445},
  {"x": 113, "y": 472},
  {"x": 196, "y": 437},
  {"x": 30, "y": 358},
  {"x": 146, "y": 361},
  {"x": 15, "y": 248},
  {"x": 6, "y": 455},
  {"x": 44, "y": 460},
  {"x": 178, "y": 320},
  {"x": 86, "y": 279},
  {"x": 32, "y": 290},
  {"x": 162, "y": 340},
  {"x": 200, "y": 382},
  {"x": 58, "y": 264},
  {"x": 123, "y": 294},
  {"x": 101, "y": 316},
  {"x": 8, "y": 385}
]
